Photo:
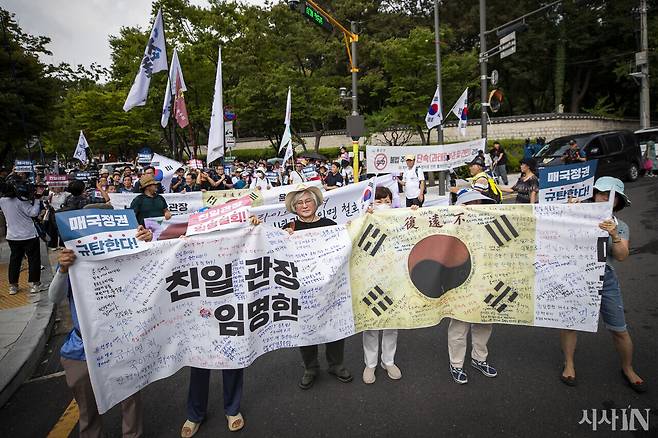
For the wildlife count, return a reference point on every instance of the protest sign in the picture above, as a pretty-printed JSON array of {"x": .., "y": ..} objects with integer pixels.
[
  {"x": 222, "y": 217},
  {"x": 310, "y": 173},
  {"x": 85, "y": 175},
  {"x": 179, "y": 203},
  {"x": 23, "y": 166},
  {"x": 57, "y": 180},
  {"x": 221, "y": 300},
  {"x": 390, "y": 159},
  {"x": 195, "y": 164},
  {"x": 99, "y": 234},
  {"x": 559, "y": 183}
]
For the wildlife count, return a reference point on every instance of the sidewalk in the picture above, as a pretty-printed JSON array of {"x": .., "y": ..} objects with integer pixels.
[{"x": 25, "y": 324}]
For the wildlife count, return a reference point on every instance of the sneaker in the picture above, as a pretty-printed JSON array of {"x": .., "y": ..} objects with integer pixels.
[
  {"x": 369, "y": 375},
  {"x": 458, "y": 375},
  {"x": 342, "y": 374},
  {"x": 484, "y": 368},
  {"x": 307, "y": 380},
  {"x": 13, "y": 289},
  {"x": 393, "y": 371},
  {"x": 35, "y": 288}
]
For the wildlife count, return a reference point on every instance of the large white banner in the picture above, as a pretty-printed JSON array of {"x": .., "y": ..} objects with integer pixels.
[
  {"x": 390, "y": 159},
  {"x": 222, "y": 299}
]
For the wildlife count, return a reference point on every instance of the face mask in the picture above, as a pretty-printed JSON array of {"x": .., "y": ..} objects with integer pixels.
[{"x": 381, "y": 206}]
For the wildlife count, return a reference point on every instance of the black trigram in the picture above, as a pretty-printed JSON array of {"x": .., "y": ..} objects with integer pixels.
[
  {"x": 495, "y": 302},
  {"x": 253, "y": 196},
  {"x": 374, "y": 301},
  {"x": 372, "y": 238},
  {"x": 169, "y": 167},
  {"x": 602, "y": 249},
  {"x": 211, "y": 200},
  {"x": 500, "y": 233}
]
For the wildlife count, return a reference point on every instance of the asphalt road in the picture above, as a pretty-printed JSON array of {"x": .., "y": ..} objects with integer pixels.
[{"x": 526, "y": 400}]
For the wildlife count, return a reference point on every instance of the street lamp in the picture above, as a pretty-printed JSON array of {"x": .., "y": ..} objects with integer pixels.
[{"x": 355, "y": 123}]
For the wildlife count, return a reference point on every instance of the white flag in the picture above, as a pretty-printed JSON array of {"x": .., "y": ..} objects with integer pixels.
[
  {"x": 167, "y": 166},
  {"x": 460, "y": 109},
  {"x": 81, "y": 149},
  {"x": 166, "y": 106},
  {"x": 434, "y": 115},
  {"x": 286, "y": 138},
  {"x": 154, "y": 60},
  {"x": 216, "y": 138}
]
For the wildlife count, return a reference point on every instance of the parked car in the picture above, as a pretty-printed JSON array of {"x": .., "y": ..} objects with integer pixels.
[{"x": 618, "y": 153}]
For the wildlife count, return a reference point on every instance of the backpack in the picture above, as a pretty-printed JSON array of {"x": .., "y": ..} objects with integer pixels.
[
  {"x": 493, "y": 191},
  {"x": 418, "y": 176}
]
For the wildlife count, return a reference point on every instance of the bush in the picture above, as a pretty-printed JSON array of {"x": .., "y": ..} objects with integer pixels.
[{"x": 266, "y": 153}]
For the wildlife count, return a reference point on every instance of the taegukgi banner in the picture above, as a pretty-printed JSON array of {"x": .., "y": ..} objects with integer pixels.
[
  {"x": 222, "y": 299},
  {"x": 390, "y": 159},
  {"x": 559, "y": 183}
]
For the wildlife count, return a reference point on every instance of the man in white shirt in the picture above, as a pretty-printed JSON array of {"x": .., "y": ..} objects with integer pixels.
[
  {"x": 296, "y": 176},
  {"x": 413, "y": 182}
]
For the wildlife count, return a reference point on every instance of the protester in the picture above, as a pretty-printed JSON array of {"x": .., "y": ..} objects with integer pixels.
[
  {"x": 296, "y": 176},
  {"x": 219, "y": 180},
  {"x": 127, "y": 185},
  {"x": 177, "y": 181},
  {"x": 413, "y": 182},
  {"x": 190, "y": 184},
  {"x": 22, "y": 235},
  {"x": 260, "y": 182},
  {"x": 73, "y": 360},
  {"x": 347, "y": 172},
  {"x": 383, "y": 200},
  {"x": 344, "y": 155},
  {"x": 612, "y": 306},
  {"x": 149, "y": 203},
  {"x": 499, "y": 165},
  {"x": 334, "y": 179},
  {"x": 458, "y": 330},
  {"x": 57, "y": 196},
  {"x": 481, "y": 181},
  {"x": 573, "y": 154},
  {"x": 78, "y": 198},
  {"x": 203, "y": 181},
  {"x": 527, "y": 186},
  {"x": 304, "y": 202}
]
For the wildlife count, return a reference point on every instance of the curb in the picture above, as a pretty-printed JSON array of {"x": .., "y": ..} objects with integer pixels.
[{"x": 21, "y": 362}]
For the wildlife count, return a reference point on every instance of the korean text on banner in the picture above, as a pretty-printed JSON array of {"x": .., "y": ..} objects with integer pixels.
[
  {"x": 229, "y": 215},
  {"x": 559, "y": 183},
  {"x": 237, "y": 294},
  {"x": 99, "y": 234},
  {"x": 390, "y": 159}
]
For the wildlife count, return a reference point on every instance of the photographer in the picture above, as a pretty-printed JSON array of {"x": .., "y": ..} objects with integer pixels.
[{"x": 22, "y": 234}]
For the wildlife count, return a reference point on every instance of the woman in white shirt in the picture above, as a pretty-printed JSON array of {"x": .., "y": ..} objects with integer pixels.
[{"x": 260, "y": 182}]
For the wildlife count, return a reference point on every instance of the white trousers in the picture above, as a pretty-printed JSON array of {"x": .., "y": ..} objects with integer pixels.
[
  {"x": 371, "y": 346},
  {"x": 457, "y": 337}
]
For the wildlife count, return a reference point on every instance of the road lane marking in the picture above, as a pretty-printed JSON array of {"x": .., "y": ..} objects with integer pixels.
[{"x": 66, "y": 422}]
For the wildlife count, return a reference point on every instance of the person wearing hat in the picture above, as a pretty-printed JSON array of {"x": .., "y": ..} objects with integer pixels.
[
  {"x": 148, "y": 170},
  {"x": 527, "y": 186},
  {"x": 458, "y": 330},
  {"x": 480, "y": 181},
  {"x": 413, "y": 181},
  {"x": 573, "y": 154},
  {"x": 149, "y": 203},
  {"x": 612, "y": 306},
  {"x": 260, "y": 182},
  {"x": 304, "y": 202}
]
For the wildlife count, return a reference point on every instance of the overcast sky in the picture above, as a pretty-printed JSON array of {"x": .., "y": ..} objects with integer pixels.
[{"x": 79, "y": 29}]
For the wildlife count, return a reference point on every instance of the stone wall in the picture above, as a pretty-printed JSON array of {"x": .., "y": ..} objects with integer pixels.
[{"x": 549, "y": 126}]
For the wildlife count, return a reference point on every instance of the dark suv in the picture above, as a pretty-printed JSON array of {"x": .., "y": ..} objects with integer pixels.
[{"x": 618, "y": 153}]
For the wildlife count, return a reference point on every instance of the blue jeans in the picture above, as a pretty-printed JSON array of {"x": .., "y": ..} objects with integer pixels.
[
  {"x": 612, "y": 305},
  {"x": 197, "y": 398}
]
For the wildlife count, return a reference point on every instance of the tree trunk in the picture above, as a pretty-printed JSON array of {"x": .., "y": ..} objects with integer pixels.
[
  {"x": 579, "y": 89},
  {"x": 560, "y": 68},
  {"x": 419, "y": 130}
]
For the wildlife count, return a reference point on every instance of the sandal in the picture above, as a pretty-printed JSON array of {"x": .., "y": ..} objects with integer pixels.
[
  {"x": 568, "y": 380},
  {"x": 189, "y": 429},
  {"x": 640, "y": 386},
  {"x": 235, "y": 422}
]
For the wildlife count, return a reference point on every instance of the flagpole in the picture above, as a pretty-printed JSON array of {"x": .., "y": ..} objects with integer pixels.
[{"x": 171, "y": 104}]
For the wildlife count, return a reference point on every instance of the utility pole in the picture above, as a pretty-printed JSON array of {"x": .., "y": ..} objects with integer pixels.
[
  {"x": 645, "y": 108},
  {"x": 355, "y": 99},
  {"x": 483, "y": 67},
  {"x": 437, "y": 48}
]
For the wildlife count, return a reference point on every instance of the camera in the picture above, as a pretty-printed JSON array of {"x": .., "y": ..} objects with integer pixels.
[{"x": 25, "y": 191}]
